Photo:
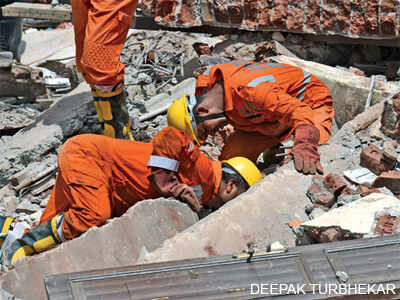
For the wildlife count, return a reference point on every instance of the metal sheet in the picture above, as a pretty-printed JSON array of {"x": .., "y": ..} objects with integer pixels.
[{"x": 365, "y": 261}]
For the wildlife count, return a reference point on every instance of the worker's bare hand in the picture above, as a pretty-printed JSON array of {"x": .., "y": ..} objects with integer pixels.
[{"x": 186, "y": 194}]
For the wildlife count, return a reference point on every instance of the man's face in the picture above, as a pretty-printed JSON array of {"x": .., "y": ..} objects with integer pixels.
[
  {"x": 163, "y": 181},
  {"x": 227, "y": 191}
]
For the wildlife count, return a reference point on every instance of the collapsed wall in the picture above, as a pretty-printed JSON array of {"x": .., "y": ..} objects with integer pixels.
[{"x": 357, "y": 18}]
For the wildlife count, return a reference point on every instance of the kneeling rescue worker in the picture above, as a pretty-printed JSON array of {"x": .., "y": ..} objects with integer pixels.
[
  {"x": 265, "y": 103},
  {"x": 100, "y": 178}
]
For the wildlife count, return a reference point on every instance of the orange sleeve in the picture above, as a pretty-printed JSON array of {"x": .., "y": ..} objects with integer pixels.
[
  {"x": 269, "y": 98},
  {"x": 195, "y": 168},
  {"x": 203, "y": 81}
]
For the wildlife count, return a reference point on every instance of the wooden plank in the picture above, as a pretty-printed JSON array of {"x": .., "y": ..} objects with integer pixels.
[{"x": 37, "y": 11}]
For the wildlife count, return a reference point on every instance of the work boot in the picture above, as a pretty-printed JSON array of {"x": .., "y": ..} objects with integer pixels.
[
  {"x": 112, "y": 112},
  {"x": 5, "y": 226},
  {"x": 40, "y": 238}
]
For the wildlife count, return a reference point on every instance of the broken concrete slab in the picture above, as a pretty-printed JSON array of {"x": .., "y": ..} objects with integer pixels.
[
  {"x": 141, "y": 229},
  {"x": 60, "y": 43},
  {"x": 348, "y": 90},
  {"x": 13, "y": 118},
  {"x": 72, "y": 114},
  {"x": 353, "y": 220},
  {"x": 21, "y": 80}
]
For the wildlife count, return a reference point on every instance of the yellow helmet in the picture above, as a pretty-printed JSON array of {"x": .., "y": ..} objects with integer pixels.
[
  {"x": 246, "y": 168},
  {"x": 180, "y": 116}
]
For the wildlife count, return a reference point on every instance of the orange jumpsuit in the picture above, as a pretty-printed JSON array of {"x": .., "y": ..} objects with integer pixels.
[
  {"x": 100, "y": 29},
  {"x": 100, "y": 177},
  {"x": 265, "y": 102}
]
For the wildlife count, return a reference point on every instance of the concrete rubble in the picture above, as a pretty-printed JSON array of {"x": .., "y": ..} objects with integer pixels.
[
  {"x": 361, "y": 162},
  {"x": 356, "y": 219}
]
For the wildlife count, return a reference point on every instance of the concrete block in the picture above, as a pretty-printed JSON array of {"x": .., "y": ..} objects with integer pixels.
[
  {"x": 389, "y": 179},
  {"x": 72, "y": 114},
  {"x": 353, "y": 220},
  {"x": 143, "y": 228},
  {"x": 361, "y": 176},
  {"x": 390, "y": 121}
]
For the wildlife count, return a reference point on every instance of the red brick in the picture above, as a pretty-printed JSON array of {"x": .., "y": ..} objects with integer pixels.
[
  {"x": 328, "y": 19},
  {"x": 387, "y": 224},
  {"x": 207, "y": 9},
  {"x": 388, "y": 6},
  {"x": 320, "y": 195},
  {"x": 295, "y": 19},
  {"x": 296, "y": 2},
  {"x": 344, "y": 23},
  {"x": 344, "y": 7},
  {"x": 343, "y": 17},
  {"x": 371, "y": 158},
  {"x": 279, "y": 15},
  {"x": 389, "y": 179},
  {"x": 388, "y": 25},
  {"x": 330, "y": 2},
  {"x": 186, "y": 13},
  {"x": 358, "y": 23},
  {"x": 329, "y": 235},
  {"x": 149, "y": 6},
  {"x": 235, "y": 14},
  {"x": 371, "y": 16},
  {"x": 313, "y": 14},
  {"x": 220, "y": 11},
  {"x": 165, "y": 10},
  {"x": 251, "y": 13},
  {"x": 335, "y": 183},
  {"x": 359, "y": 4},
  {"x": 396, "y": 107},
  {"x": 264, "y": 17}
]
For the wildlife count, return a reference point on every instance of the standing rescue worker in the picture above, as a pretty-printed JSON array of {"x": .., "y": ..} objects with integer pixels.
[
  {"x": 266, "y": 103},
  {"x": 100, "y": 29},
  {"x": 100, "y": 178}
]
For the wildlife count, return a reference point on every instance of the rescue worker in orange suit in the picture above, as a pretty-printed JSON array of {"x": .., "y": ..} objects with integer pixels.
[
  {"x": 100, "y": 178},
  {"x": 266, "y": 103},
  {"x": 100, "y": 29}
]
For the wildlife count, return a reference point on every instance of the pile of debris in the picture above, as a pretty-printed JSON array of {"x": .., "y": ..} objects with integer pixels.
[{"x": 342, "y": 197}]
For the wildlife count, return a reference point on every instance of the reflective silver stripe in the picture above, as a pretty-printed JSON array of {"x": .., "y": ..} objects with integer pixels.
[
  {"x": 257, "y": 81},
  {"x": 302, "y": 89},
  {"x": 163, "y": 162},
  {"x": 191, "y": 102},
  {"x": 59, "y": 220},
  {"x": 198, "y": 190},
  {"x": 264, "y": 67}
]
